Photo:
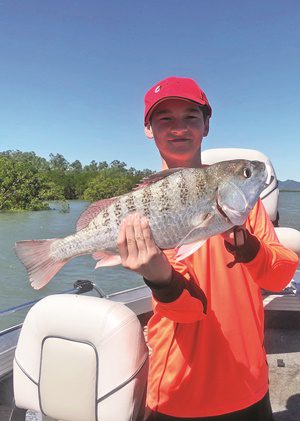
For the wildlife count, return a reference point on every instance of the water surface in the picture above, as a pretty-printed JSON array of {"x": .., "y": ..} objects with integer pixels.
[{"x": 15, "y": 226}]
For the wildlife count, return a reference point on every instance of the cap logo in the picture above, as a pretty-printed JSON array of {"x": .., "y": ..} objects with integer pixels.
[{"x": 157, "y": 89}]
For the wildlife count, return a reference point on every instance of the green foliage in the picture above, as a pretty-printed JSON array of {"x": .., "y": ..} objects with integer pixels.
[
  {"x": 109, "y": 182},
  {"x": 28, "y": 158},
  {"x": 58, "y": 162},
  {"x": 22, "y": 186},
  {"x": 29, "y": 182}
]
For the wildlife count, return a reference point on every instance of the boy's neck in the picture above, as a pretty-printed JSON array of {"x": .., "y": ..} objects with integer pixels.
[{"x": 182, "y": 164}]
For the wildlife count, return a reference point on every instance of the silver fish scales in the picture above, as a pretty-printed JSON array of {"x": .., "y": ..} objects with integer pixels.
[{"x": 184, "y": 206}]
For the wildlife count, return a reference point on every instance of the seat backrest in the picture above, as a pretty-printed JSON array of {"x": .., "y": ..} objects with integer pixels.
[
  {"x": 270, "y": 194},
  {"x": 81, "y": 358}
]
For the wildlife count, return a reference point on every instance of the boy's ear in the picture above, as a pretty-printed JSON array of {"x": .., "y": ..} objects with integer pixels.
[
  {"x": 148, "y": 131},
  {"x": 206, "y": 126}
]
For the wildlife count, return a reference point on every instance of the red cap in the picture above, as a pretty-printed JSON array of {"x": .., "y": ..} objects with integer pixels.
[{"x": 174, "y": 87}]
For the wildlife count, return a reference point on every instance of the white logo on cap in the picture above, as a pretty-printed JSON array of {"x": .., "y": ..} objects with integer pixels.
[{"x": 157, "y": 89}]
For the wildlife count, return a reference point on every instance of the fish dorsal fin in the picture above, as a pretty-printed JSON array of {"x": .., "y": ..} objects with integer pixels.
[
  {"x": 92, "y": 211},
  {"x": 153, "y": 178}
]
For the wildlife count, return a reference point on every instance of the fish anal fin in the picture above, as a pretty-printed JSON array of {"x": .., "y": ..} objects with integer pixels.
[
  {"x": 106, "y": 259},
  {"x": 92, "y": 211},
  {"x": 186, "y": 250}
]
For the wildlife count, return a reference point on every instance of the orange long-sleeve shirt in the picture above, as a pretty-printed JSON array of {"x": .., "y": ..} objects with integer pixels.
[{"x": 211, "y": 361}]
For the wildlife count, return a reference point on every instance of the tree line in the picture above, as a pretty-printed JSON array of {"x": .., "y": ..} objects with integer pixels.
[{"x": 29, "y": 182}]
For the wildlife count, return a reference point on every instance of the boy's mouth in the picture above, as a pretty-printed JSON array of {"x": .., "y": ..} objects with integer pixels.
[{"x": 179, "y": 140}]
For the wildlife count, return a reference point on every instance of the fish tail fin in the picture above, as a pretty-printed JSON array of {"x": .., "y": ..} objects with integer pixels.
[{"x": 40, "y": 265}]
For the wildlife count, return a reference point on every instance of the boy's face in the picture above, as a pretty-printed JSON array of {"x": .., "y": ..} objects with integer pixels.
[{"x": 178, "y": 127}]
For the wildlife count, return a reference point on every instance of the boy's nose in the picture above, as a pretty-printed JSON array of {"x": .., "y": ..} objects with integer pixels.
[{"x": 179, "y": 132}]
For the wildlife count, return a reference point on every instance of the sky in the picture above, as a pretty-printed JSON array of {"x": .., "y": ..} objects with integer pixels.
[{"x": 73, "y": 75}]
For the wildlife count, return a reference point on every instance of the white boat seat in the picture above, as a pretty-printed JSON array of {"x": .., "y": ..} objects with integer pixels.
[
  {"x": 289, "y": 237},
  {"x": 81, "y": 358}
]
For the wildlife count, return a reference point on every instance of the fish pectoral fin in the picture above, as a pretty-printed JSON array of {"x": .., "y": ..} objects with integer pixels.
[
  {"x": 201, "y": 220},
  {"x": 187, "y": 249},
  {"x": 188, "y": 245},
  {"x": 106, "y": 259}
]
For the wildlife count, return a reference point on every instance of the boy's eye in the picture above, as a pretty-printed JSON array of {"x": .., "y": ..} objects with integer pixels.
[{"x": 192, "y": 117}]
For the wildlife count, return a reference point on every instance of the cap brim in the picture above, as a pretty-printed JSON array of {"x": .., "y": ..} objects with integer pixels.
[{"x": 150, "y": 111}]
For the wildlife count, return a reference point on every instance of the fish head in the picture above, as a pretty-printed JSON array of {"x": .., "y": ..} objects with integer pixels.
[{"x": 239, "y": 187}]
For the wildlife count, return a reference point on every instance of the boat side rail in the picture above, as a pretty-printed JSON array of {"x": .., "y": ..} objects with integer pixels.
[{"x": 79, "y": 287}]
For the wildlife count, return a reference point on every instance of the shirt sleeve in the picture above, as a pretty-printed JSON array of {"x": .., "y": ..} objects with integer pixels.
[
  {"x": 182, "y": 301},
  {"x": 274, "y": 265}
]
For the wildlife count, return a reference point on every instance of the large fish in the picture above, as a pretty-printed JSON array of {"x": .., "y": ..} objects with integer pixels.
[{"x": 184, "y": 206}]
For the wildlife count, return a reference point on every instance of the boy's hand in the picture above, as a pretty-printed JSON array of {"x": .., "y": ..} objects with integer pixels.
[
  {"x": 236, "y": 236},
  {"x": 139, "y": 252},
  {"x": 241, "y": 244}
]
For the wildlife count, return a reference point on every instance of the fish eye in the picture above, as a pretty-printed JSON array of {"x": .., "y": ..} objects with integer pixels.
[{"x": 247, "y": 172}]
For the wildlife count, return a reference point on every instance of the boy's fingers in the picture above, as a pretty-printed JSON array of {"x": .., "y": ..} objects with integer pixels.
[
  {"x": 135, "y": 240},
  {"x": 122, "y": 243},
  {"x": 148, "y": 238},
  {"x": 138, "y": 233},
  {"x": 236, "y": 236},
  {"x": 130, "y": 236}
]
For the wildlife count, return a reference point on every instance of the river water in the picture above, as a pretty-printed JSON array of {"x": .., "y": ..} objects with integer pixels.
[{"x": 15, "y": 226}]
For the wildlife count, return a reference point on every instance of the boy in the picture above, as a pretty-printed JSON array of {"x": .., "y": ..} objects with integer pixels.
[{"x": 206, "y": 334}]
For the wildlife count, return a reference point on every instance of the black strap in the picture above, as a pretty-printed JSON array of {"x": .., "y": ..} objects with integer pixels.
[{"x": 243, "y": 253}]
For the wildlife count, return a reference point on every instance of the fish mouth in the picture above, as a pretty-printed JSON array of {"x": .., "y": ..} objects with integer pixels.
[
  {"x": 229, "y": 209},
  {"x": 220, "y": 210},
  {"x": 237, "y": 218}
]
